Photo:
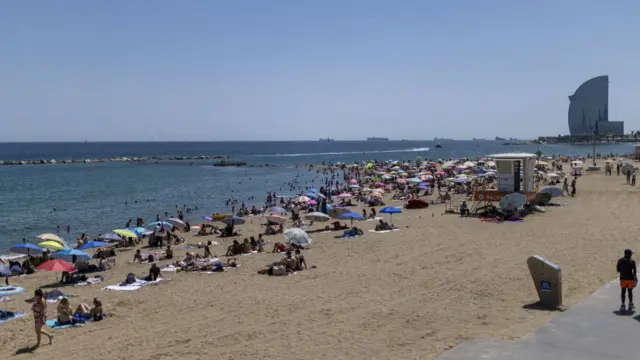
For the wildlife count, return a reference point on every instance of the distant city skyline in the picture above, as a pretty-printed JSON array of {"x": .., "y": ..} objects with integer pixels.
[{"x": 287, "y": 70}]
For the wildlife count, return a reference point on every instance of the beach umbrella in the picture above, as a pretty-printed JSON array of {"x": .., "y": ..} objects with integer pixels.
[
  {"x": 312, "y": 202},
  {"x": 157, "y": 224},
  {"x": 234, "y": 220},
  {"x": 278, "y": 210},
  {"x": 7, "y": 291},
  {"x": 56, "y": 266},
  {"x": 312, "y": 190},
  {"x": 93, "y": 245},
  {"x": 317, "y": 216},
  {"x": 344, "y": 196},
  {"x": 390, "y": 210},
  {"x": 67, "y": 255},
  {"x": 554, "y": 191},
  {"x": 311, "y": 195},
  {"x": 51, "y": 245},
  {"x": 302, "y": 199},
  {"x": 351, "y": 216},
  {"x": 460, "y": 180},
  {"x": 414, "y": 180},
  {"x": 513, "y": 201},
  {"x": 376, "y": 194},
  {"x": 353, "y": 181},
  {"x": 26, "y": 249},
  {"x": 354, "y": 186},
  {"x": 625, "y": 169},
  {"x": 337, "y": 211},
  {"x": 543, "y": 198},
  {"x": 177, "y": 222},
  {"x": 401, "y": 181},
  {"x": 50, "y": 237},
  {"x": 208, "y": 218},
  {"x": 297, "y": 236},
  {"x": 125, "y": 233},
  {"x": 276, "y": 219},
  {"x": 110, "y": 237}
]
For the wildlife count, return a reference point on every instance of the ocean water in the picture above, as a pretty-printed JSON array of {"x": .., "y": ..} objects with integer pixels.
[{"x": 99, "y": 197}]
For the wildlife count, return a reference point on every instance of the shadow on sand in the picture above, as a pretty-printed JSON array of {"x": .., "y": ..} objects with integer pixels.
[
  {"x": 26, "y": 350},
  {"x": 539, "y": 306}
]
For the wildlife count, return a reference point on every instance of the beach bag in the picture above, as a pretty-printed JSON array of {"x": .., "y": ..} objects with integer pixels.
[{"x": 279, "y": 270}]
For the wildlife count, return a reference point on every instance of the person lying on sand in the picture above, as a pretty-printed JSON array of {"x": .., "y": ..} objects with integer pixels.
[
  {"x": 279, "y": 247},
  {"x": 288, "y": 265}
]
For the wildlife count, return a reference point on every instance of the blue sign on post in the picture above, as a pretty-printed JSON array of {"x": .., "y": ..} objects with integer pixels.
[{"x": 545, "y": 285}]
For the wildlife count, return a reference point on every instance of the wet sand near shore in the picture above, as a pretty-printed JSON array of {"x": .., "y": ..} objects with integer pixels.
[{"x": 409, "y": 294}]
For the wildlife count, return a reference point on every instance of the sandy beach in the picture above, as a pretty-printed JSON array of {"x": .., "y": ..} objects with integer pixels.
[{"x": 409, "y": 294}]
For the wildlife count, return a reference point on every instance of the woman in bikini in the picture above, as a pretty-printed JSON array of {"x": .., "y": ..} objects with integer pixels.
[{"x": 39, "y": 309}]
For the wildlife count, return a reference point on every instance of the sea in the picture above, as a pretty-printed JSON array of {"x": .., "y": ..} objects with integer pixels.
[{"x": 95, "y": 198}]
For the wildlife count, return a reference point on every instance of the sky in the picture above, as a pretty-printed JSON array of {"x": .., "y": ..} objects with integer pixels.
[{"x": 158, "y": 70}]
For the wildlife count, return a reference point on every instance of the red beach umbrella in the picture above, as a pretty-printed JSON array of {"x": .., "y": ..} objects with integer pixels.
[{"x": 56, "y": 265}]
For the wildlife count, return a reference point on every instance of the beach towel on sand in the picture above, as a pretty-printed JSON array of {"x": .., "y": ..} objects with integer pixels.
[
  {"x": 55, "y": 325},
  {"x": 383, "y": 231},
  {"x": 10, "y": 315},
  {"x": 133, "y": 286}
]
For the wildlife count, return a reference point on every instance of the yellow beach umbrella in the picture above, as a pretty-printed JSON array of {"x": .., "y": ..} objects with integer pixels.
[
  {"x": 50, "y": 237},
  {"x": 51, "y": 245},
  {"x": 125, "y": 233}
]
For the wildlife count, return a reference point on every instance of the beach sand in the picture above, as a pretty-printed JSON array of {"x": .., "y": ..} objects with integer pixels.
[{"x": 410, "y": 294}]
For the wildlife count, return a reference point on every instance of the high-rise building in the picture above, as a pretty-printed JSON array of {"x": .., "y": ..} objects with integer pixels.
[{"x": 589, "y": 109}]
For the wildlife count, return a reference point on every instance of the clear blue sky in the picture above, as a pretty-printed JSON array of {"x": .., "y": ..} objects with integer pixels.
[{"x": 302, "y": 69}]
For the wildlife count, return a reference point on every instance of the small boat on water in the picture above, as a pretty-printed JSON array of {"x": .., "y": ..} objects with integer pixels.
[
  {"x": 438, "y": 146},
  {"x": 229, "y": 163}
]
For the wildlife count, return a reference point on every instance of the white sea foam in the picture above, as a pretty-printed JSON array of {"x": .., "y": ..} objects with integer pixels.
[{"x": 349, "y": 152}]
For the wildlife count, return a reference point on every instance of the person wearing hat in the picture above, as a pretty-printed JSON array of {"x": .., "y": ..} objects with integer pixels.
[{"x": 627, "y": 268}]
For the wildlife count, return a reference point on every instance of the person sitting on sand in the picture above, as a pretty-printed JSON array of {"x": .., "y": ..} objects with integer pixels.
[
  {"x": 96, "y": 313},
  {"x": 337, "y": 226},
  {"x": 364, "y": 214},
  {"x": 246, "y": 246},
  {"x": 103, "y": 264},
  {"x": 234, "y": 249},
  {"x": 269, "y": 230},
  {"x": 65, "y": 314},
  {"x": 383, "y": 226},
  {"x": 137, "y": 257},
  {"x": 154, "y": 273},
  {"x": 464, "y": 209},
  {"x": 300, "y": 260},
  {"x": 282, "y": 267},
  {"x": 207, "y": 250},
  {"x": 168, "y": 253}
]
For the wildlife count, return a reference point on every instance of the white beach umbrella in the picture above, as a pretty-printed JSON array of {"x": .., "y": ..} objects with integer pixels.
[
  {"x": 297, "y": 236},
  {"x": 317, "y": 216}
]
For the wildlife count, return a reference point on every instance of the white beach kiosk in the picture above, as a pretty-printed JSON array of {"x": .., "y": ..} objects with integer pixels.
[{"x": 515, "y": 174}]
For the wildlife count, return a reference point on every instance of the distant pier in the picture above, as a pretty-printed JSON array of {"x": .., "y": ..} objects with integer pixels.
[{"x": 114, "y": 160}]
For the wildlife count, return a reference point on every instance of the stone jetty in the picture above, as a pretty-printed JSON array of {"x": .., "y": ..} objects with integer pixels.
[{"x": 115, "y": 160}]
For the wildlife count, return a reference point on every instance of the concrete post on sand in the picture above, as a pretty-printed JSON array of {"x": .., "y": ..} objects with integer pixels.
[{"x": 547, "y": 278}]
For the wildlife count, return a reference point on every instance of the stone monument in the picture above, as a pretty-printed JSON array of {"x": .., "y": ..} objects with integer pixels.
[{"x": 547, "y": 278}]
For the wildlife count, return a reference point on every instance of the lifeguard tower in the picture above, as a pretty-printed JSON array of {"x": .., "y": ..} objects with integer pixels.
[{"x": 515, "y": 174}]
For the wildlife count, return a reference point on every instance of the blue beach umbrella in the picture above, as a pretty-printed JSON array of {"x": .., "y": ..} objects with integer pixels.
[
  {"x": 312, "y": 190},
  {"x": 390, "y": 210},
  {"x": 208, "y": 218},
  {"x": 93, "y": 245},
  {"x": 311, "y": 195},
  {"x": 26, "y": 249},
  {"x": 350, "y": 216},
  {"x": 67, "y": 255},
  {"x": 234, "y": 220}
]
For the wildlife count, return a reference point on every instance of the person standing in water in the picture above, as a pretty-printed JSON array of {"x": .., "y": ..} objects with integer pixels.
[
  {"x": 39, "y": 309},
  {"x": 627, "y": 268}
]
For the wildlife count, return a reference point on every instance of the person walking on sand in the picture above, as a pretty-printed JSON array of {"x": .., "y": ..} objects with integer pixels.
[
  {"x": 633, "y": 178},
  {"x": 573, "y": 187},
  {"x": 627, "y": 268},
  {"x": 565, "y": 187},
  {"x": 39, "y": 309}
]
